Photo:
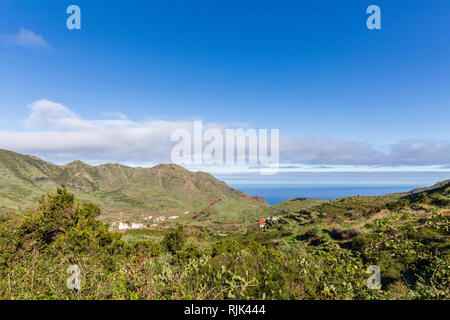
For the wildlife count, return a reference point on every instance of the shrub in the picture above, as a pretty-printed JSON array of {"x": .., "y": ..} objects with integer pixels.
[
  {"x": 191, "y": 251},
  {"x": 226, "y": 246},
  {"x": 174, "y": 241}
]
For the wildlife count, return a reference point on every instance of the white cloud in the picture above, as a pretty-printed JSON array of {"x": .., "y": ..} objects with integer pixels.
[
  {"x": 326, "y": 151},
  {"x": 408, "y": 152},
  {"x": 26, "y": 38},
  {"x": 58, "y": 134},
  {"x": 46, "y": 113}
]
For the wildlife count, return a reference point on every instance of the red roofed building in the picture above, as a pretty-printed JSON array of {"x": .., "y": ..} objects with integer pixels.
[{"x": 262, "y": 223}]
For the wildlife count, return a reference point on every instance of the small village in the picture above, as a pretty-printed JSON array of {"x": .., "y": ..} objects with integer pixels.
[
  {"x": 262, "y": 221},
  {"x": 153, "y": 222}
]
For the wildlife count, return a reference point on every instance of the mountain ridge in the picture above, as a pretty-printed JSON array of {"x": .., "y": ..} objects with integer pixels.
[{"x": 163, "y": 188}]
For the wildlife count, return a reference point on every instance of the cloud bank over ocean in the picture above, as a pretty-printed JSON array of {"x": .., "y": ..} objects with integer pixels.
[{"x": 56, "y": 133}]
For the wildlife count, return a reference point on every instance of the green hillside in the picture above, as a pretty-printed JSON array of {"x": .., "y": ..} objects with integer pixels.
[
  {"x": 341, "y": 220},
  {"x": 309, "y": 249},
  {"x": 122, "y": 192}
]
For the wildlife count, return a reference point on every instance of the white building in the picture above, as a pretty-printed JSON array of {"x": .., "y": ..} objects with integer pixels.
[
  {"x": 123, "y": 226},
  {"x": 137, "y": 225}
]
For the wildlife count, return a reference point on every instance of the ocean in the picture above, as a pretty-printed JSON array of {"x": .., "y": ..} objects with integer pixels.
[{"x": 276, "y": 194}]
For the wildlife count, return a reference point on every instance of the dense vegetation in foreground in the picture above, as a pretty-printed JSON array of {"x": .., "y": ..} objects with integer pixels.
[{"x": 411, "y": 247}]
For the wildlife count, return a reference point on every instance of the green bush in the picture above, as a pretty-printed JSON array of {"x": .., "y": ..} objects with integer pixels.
[
  {"x": 226, "y": 246},
  {"x": 174, "y": 241},
  {"x": 188, "y": 253}
]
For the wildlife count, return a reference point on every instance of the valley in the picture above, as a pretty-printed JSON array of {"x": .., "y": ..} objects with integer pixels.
[{"x": 168, "y": 233}]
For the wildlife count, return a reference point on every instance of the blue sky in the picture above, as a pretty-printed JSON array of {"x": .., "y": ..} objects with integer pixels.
[{"x": 309, "y": 68}]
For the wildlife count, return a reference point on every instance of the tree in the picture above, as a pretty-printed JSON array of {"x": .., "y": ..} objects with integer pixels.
[{"x": 174, "y": 240}]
